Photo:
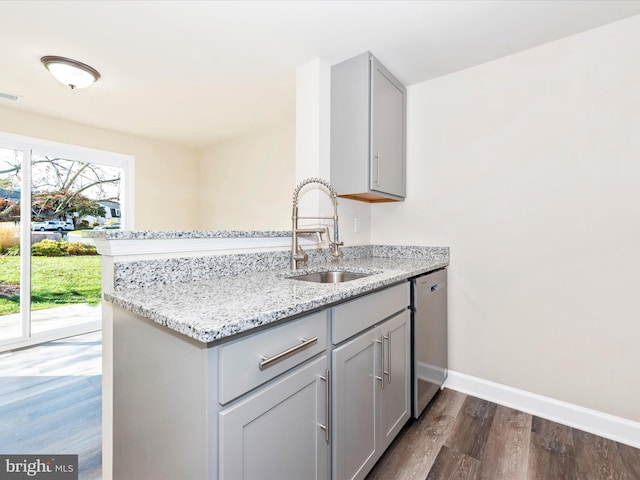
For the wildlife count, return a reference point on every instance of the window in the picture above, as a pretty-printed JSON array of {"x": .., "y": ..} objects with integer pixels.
[{"x": 50, "y": 285}]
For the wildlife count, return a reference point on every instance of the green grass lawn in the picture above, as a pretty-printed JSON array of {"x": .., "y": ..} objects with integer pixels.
[{"x": 55, "y": 281}]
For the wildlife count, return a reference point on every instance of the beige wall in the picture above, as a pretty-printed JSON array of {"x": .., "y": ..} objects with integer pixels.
[
  {"x": 247, "y": 183},
  {"x": 528, "y": 167},
  {"x": 165, "y": 174}
]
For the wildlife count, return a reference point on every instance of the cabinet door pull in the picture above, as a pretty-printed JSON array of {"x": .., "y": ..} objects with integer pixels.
[
  {"x": 327, "y": 406},
  {"x": 268, "y": 362},
  {"x": 377, "y": 179},
  {"x": 382, "y": 372},
  {"x": 388, "y": 371}
]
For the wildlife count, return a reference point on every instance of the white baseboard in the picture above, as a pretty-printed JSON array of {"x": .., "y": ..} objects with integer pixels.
[{"x": 592, "y": 421}]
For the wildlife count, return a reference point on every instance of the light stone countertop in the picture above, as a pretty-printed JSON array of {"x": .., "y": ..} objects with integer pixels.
[
  {"x": 214, "y": 309},
  {"x": 181, "y": 234}
]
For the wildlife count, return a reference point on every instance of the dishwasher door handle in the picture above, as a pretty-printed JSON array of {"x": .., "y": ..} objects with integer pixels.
[{"x": 425, "y": 288}]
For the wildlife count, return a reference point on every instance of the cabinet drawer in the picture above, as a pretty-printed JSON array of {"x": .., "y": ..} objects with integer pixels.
[
  {"x": 275, "y": 432},
  {"x": 357, "y": 315},
  {"x": 251, "y": 361}
]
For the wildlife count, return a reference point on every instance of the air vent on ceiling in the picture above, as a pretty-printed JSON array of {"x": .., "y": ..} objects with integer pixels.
[{"x": 9, "y": 96}]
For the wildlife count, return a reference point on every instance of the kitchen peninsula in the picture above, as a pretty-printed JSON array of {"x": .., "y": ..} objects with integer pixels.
[{"x": 225, "y": 365}]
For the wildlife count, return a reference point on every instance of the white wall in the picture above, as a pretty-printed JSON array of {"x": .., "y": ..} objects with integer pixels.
[
  {"x": 313, "y": 124},
  {"x": 165, "y": 174},
  {"x": 243, "y": 184},
  {"x": 246, "y": 183},
  {"x": 528, "y": 167}
]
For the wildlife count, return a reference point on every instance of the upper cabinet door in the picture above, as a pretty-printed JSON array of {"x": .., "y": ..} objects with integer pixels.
[
  {"x": 368, "y": 107},
  {"x": 387, "y": 132}
]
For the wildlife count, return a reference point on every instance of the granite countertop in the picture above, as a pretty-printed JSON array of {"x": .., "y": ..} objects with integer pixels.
[
  {"x": 214, "y": 309},
  {"x": 181, "y": 234}
]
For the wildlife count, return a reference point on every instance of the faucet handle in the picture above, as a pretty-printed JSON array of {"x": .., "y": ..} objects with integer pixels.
[
  {"x": 335, "y": 248},
  {"x": 301, "y": 256}
]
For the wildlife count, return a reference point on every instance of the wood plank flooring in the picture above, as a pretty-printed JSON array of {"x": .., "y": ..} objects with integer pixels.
[
  {"x": 51, "y": 401},
  {"x": 460, "y": 437}
]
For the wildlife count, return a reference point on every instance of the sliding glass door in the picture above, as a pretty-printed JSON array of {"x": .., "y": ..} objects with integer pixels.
[
  {"x": 12, "y": 326},
  {"x": 50, "y": 281}
]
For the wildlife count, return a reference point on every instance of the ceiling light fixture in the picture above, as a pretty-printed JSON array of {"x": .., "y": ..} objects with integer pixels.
[{"x": 70, "y": 72}]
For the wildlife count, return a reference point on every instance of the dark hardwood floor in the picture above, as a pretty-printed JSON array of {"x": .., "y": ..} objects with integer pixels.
[
  {"x": 51, "y": 401},
  {"x": 460, "y": 437}
]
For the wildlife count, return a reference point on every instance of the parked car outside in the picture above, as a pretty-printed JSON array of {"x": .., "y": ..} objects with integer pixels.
[
  {"x": 111, "y": 226},
  {"x": 53, "y": 225}
]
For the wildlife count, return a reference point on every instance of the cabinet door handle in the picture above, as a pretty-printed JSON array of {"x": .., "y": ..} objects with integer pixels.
[
  {"x": 377, "y": 179},
  {"x": 388, "y": 372},
  {"x": 327, "y": 406},
  {"x": 269, "y": 362},
  {"x": 382, "y": 372}
]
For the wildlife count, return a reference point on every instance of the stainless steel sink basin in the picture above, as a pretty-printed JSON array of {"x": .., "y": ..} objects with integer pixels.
[{"x": 330, "y": 276}]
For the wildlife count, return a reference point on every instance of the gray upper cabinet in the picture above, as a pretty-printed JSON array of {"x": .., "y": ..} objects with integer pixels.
[{"x": 368, "y": 112}]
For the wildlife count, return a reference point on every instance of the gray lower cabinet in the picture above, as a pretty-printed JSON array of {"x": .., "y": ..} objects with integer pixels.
[
  {"x": 355, "y": 367},
  {"x": 371, "y": 395},
  {"x": 279, "y": 432},
  {"x": 258, "y": 407},
  {"x": 395, "y": 397}
]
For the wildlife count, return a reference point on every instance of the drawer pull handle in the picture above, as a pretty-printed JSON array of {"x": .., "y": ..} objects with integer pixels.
[
  {"x": 268, "y": 362},
  {"x": 327, "y": 406},
  {"x": 388, "y": 372},
  {"x": 382, "y": 370}
]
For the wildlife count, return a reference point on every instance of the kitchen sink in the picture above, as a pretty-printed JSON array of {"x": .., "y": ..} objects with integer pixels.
[{"x": 330, "y": 276}]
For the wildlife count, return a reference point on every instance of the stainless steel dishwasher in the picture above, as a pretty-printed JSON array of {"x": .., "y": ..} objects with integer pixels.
[{"x": 429, "y": 337}]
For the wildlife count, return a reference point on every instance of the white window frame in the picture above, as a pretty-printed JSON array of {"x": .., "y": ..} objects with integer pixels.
[{"x": 30, "y": 146}]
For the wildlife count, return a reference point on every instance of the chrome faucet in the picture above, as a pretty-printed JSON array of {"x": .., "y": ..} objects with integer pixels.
[{"x": 298, "y": 256}]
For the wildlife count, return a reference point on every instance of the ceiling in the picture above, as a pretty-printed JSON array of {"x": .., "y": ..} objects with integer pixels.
[{"x": 198, "y": 72}]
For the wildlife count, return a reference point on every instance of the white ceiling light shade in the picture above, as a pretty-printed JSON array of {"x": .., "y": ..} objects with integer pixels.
[{"x": 70, "y": 72}]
